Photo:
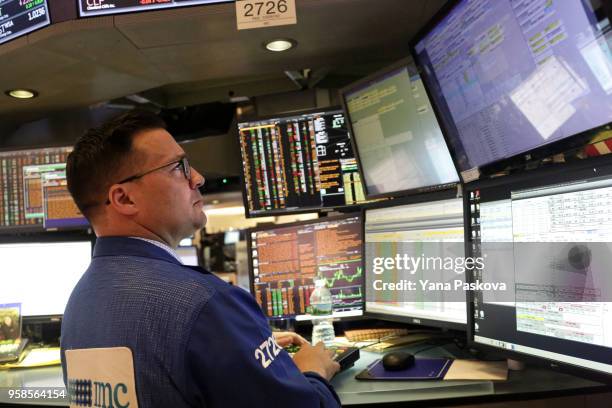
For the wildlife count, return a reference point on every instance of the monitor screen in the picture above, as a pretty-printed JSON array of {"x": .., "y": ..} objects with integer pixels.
[
  {"x": 60, "y": 210},
  {"x": 21, "y": 17},
  {"x": 420, "y": 230},
  {"x": 92, "y": 8},
  {"x": 508, "y": 76},
  {"x": 549, "y": 239},
  {"x": 298, "y": 163},
  {"x": 231, "y": 237},
  {"x": 284, "y": 261},
  {"x": 399, "y": 145},
  {"x": 35, "y": 196},
  {"x": 41, "y": 275}
]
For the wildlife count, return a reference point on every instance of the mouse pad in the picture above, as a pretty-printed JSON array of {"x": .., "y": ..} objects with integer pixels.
[{"x": 423, "y": 369}]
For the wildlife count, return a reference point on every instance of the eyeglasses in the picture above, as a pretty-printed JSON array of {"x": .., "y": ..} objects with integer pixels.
[{"x": 182, "y": 162}]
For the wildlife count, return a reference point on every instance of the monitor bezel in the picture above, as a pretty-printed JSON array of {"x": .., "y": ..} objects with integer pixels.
[
  {"x": 549, "y": 175},
  {"x": 49, "y": 237},
  {"x": 403, "y": 63},
  {"x": 48, "y": 23},
  {"x": 415, "y": 199},
  {"x": 517, "y": 160},
  {"x": 37, "y": 228},
  {"x": 280, "y": 212},
  {"x": 81, "y": 14},
  {"x": 269, "y": 226}
]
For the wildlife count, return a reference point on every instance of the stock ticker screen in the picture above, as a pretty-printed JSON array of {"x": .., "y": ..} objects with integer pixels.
[
  {"x": 91, "y": 8},
  {"x": 286, "y": 259},
  {"x": 299, "y": 163},
  {"x": 34, "y": 194},
  {"x": 20, "y": 17}
]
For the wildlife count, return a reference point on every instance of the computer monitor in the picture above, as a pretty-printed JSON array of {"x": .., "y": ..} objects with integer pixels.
[
  {"x": 398, "y": 143},
  {"x": 285, "y": 259},
  {"x": 547, "y": 236},
  {"x": 35, "y": 196},
  {"x": 301, "y": 162},
  {"x": 40, "y": 274},
  {"x": 21, "y": 18},
  {"x": 515, "y": 77},
  {"x": 60, "y": 210},
  {"x": 423, "y": 228},
  {"x": 231, "y": 237}
]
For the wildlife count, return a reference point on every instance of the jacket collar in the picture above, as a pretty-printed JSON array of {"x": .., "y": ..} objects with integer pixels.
[{"x": 117, "y": 246}]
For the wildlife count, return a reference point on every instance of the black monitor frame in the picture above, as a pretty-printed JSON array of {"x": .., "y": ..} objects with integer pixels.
[
  {"x": 519, "y": 160},
  {"x": 403, "y": 63},
  {"x": 280, "y": 212},
  {"x": 38, "y": 228},
  {"x": 80, "y": 12},
  {"x": 48, "y": 237},
  {"x": 416, "y": 199},
  {"x": 49, "y": 23},
  {"x": 297, "y": 224},
  {"x": 550, "y": 175}
]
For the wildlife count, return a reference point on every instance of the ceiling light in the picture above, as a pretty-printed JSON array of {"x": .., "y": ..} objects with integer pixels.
[
  {"x": 281, "y": 44},
  {"x": 22, "y": 93}
]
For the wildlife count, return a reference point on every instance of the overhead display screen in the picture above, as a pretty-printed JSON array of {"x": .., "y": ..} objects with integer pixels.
[
  {"x": 90, "y": 8},
  {"x": 510, "y": 76},
  {"x": 19, "y": 17}
]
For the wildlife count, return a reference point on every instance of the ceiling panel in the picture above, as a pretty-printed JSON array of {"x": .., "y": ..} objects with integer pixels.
[{"x": 176, "y": 54}]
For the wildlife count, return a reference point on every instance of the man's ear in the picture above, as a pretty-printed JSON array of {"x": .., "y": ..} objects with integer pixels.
[{"x": 120, "y": 200}]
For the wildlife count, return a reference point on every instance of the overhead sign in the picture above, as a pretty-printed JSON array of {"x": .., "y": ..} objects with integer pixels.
[
  {"x": 19, "y": 17},
  {"x": 90, "y": 8},
  {"x": 256, "y": 13}
]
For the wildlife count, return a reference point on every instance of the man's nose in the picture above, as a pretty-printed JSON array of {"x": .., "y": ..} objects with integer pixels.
[{"x": 197, "y": 180}]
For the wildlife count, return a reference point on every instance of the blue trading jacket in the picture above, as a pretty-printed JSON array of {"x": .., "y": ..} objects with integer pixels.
[{"x": 196, "y": 341}]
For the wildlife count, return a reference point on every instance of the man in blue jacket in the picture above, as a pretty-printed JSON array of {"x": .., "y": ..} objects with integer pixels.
[{"x": 196, "y": 341}]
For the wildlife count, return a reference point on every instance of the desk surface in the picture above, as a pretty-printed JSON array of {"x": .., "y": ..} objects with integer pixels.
[{"x": 529, "y": 383}]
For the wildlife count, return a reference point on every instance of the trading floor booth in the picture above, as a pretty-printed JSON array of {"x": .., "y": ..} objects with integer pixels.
[{"x": 461, "y": 198}]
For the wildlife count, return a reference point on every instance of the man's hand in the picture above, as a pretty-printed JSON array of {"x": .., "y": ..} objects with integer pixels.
[
  {"x": 284, "y": 339},
  {"x": 317, "y": 359}
]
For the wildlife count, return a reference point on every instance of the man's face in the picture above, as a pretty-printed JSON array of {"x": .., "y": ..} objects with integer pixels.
[{"x": 168, "y": 204}]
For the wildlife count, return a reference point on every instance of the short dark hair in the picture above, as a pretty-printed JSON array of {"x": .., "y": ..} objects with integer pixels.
[{"x": 100, "y": 154}]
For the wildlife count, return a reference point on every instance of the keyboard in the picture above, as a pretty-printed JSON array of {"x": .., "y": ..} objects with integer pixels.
[{"x": 373, "y": 334}]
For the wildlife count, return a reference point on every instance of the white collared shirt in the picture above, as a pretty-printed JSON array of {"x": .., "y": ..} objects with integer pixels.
[{"x": 162, "y": 246}]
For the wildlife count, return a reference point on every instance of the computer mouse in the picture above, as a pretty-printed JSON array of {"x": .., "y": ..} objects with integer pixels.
[{"x": 397, "y": 360}]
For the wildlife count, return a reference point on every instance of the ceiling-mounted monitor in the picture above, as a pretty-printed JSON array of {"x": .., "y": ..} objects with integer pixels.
[
  {"x": 398, "y": 142},
  {"x": 517, "y": 79},
  {"x": 18, "y": 18},
  {"x": 91, "y": 8}
]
